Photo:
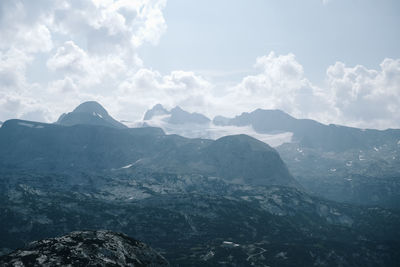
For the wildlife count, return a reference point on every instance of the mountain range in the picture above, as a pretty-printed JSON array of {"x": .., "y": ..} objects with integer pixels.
[
  {"x": 51, "y": 147},
  {"x": 340, "y": 163},
  {"x": 232, "y": 201},
  {"x": 175, "y": 116}
]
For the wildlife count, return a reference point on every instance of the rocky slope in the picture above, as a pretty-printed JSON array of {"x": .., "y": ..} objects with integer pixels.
[
  {"x": 85, "y": 248},
  {"x": 197, "y": 220}
]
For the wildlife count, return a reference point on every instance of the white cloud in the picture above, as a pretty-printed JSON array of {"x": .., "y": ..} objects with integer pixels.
[
  {"x": 355, "y": 96},
  {"x": 148, "y": 87},
  {"x": 22, "y": 28},
  {"x": 366, "y": 97},
  {"x": 12, "y": 69},
  {"x": 87, "y": 50},
  {"x": 69, "y": 58},
  {"x": 88, "y": 46},
  {"x": 281, "y": 84},
  {"x": 111, "y": 26}
]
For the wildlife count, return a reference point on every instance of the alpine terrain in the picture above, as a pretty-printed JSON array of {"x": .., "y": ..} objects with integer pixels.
[{"x": 232, "y": 201}]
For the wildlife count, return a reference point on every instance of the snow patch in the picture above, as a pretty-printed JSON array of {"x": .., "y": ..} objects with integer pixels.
[
  {"x": 130, "y": 165},
  {"x": 127, "y": 166},
  {"x": 97, "y": 114},
  {"x": 26, "y": 124},
  {"x": 230, "y": 244}
]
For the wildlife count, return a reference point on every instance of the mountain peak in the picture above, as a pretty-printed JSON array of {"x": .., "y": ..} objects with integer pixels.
[
  {"x": 157, "y": 110},
  {"x": 178, "y": 108},
  {"x": 91, "y": 113},
  {"x": 177, "y": 115},
  {"x": 180, "y": 116},
  {"x": 90, "y": 107}
]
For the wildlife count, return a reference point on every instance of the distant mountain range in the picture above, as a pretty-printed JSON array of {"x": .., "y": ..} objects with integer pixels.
[
  {"x": 92, "y": 146},
  {"x": 175, "y": 116},
  {"x": 306, "y": 132},
  {"x": 310, "y": 133},
  {"x": 337, "y": 162}
]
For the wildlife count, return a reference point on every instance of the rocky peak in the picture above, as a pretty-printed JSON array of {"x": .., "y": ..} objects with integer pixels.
[
  {"x": 90, "y": 107},
  {"x": 91, "y": 113},
  {"x": 157, "y": 110}
]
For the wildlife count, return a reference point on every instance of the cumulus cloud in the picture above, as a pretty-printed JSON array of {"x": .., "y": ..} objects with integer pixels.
[
  {"x": 12, "y": 69},
  {"x": 69, "y": 58},
  {"x": 88, "y": 50},
  {"x": 356, "y": 96},
  {"x": 89, "y": 47},
  {"x": 148, "y": 87},
  {"x": 280, "y": 84},
  {"x": 366, "y": 97},
  {"x": 111, "y": 25}
]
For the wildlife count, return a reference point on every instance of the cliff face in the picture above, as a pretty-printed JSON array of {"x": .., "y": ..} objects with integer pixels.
[{"x": 85, "y": 248}]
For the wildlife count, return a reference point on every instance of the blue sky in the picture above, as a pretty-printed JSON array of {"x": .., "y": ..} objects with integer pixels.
[
  {"x": 228, "y": 35},
  {"x": 335, "y": 61}
]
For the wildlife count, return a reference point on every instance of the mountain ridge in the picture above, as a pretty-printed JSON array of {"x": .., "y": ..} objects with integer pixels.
[
  {"x": 176, "y": 115},
  {"x": 51, "y": 147},
  {"x": 310, "y": 133}
]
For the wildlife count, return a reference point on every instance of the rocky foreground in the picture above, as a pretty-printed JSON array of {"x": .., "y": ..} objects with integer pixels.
[{"x": 85, "y": 248}]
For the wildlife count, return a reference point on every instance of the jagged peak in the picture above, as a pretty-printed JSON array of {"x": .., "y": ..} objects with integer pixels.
[{"x": 156, "y": 110}]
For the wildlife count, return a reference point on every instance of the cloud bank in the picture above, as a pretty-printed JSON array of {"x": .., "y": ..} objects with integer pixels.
[{"x": 60, "y": 53}]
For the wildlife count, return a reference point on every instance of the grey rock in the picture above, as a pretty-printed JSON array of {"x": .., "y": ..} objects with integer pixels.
[{"x": 85, "y": 248}]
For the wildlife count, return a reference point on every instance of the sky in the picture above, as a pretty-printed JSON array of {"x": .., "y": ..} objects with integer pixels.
[{"x": 336, "y": 61}]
